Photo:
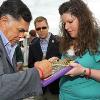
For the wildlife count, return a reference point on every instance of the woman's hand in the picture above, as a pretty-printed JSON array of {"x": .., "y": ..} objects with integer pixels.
[
  {"x": 44, "y": 67},
  {"x": 76, "y": 70},
  {"x": 53, "y": 59}
]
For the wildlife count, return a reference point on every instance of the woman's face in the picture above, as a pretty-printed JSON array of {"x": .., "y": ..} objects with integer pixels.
[{"x": 71, "y": 24}]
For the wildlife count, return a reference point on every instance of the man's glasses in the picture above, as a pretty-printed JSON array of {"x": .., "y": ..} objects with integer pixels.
[{"x": 39, "y": 28}]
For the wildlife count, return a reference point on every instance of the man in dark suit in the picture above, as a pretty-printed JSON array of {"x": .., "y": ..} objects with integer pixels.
[
  {"x": 19, "y": 58},
  {"x": 45, "y": 47},
  {"x": 15, "y": 18}
]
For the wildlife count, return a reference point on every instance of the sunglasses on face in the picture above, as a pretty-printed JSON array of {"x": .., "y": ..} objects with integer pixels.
[{"x": 39, "y": 28}]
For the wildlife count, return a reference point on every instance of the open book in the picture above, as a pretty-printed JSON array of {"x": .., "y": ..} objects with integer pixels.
[{"x": 60, "y": 67}]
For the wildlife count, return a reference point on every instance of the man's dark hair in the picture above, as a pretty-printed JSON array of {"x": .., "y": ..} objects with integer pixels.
[
  {"x": 17, "y": 9},
  {"x": 40, "y": 19}
]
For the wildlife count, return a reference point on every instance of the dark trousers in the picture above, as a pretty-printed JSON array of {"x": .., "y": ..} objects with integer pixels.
[{"x": 52, "y": 88}]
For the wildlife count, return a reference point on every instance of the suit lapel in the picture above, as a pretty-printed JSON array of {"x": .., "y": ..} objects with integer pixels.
[
  {"x": 7, "y": 57},
  {"x": 51, "y": 42},
  {"x": 38, "y": 48}
]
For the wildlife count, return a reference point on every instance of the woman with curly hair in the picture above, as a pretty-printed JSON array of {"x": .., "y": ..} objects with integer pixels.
[{"x": 80, "y": 42}]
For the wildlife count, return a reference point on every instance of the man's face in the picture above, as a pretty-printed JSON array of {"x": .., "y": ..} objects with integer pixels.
[
  {"x": 42, "y": 29},
  {"x": 13, "y": 29}
]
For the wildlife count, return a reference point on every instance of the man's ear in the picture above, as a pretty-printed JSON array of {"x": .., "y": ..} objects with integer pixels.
[
  {"x": 3, "y": 23},
  {"x": 3, "y": 20}
]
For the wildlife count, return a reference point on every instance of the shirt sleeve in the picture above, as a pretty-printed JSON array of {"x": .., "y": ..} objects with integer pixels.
[{"x": 97, "y": 57}]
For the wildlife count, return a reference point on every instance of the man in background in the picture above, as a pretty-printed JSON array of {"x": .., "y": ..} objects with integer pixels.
[
  {"x": 45, "y": 47},
  {"x": 32, "y": 36},
  {"x": 19, "y": 58}
]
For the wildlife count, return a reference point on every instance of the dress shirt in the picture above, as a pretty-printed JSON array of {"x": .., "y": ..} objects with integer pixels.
[
  {"x": 9, "y": 48},
  {"x": 44, "y": 44}
]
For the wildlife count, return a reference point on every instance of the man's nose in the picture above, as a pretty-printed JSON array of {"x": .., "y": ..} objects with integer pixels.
[
  {"x": 22, "y": 34},
  {"x": 41, "y": 29}
]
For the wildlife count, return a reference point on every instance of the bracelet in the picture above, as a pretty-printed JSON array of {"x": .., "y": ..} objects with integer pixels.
[
  {"x": 42, "y": 74},
  {"x": 89, "y": 73}
]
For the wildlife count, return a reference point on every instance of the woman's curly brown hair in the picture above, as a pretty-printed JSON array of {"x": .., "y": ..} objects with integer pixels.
[{"x": 88, "y": 33}]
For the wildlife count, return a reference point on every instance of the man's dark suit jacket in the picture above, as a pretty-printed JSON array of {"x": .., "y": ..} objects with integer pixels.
[
  {"x": 19, "y": 55},
  {"x": 35, "y": 54},
  {"x": 35, "y": 51}
]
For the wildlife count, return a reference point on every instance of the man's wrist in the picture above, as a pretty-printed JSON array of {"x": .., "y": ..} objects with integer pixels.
[{"x": 41, "y": 73}]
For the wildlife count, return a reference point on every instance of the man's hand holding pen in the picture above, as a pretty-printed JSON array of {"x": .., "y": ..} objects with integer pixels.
[{"x": 44, "y": 67}]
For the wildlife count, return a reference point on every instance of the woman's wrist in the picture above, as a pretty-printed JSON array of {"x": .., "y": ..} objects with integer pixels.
[
  {"x": 86, "y": 72},
  {"x": 83, "y": 73}
]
